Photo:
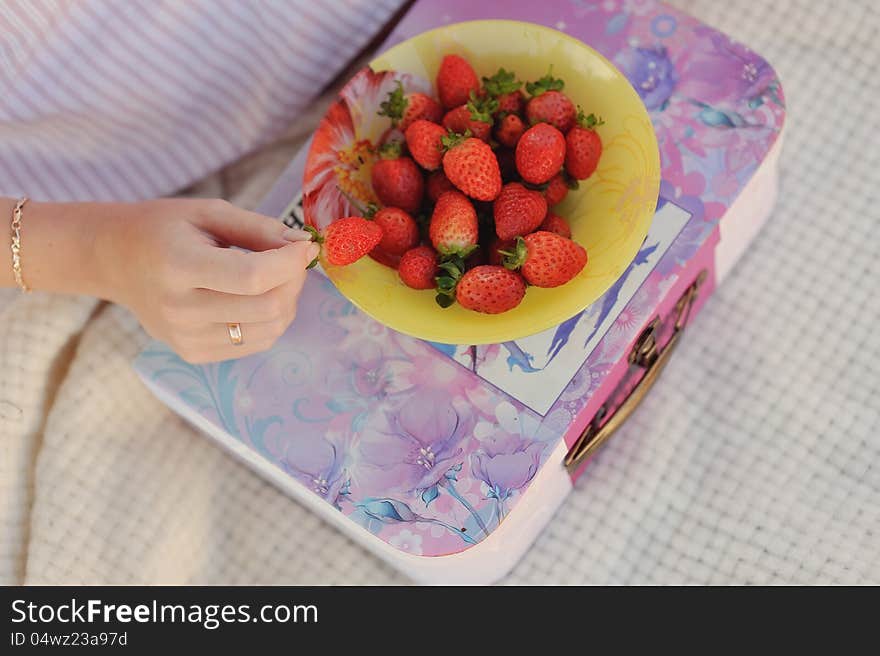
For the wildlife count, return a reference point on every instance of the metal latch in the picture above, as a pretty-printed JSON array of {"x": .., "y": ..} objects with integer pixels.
[{"x": 645, "y": 355}]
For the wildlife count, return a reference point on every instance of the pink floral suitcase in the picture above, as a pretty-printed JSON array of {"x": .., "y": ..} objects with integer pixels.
[{"x": 448, "y": 461}]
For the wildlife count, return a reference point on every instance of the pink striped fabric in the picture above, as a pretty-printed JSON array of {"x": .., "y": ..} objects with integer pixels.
[{"x": 131, "y": 99}]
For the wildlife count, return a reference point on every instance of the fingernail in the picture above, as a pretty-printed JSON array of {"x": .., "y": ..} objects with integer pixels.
[
  {"x": 295, "y": 234},
  {"x": 314, "y": 251}
]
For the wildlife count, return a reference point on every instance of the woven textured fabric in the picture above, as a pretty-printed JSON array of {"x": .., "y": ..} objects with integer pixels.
[{"x": 756, "y": 459}]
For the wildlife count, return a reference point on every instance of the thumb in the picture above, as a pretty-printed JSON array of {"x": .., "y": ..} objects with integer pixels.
[{"x": 256, "y": 232}]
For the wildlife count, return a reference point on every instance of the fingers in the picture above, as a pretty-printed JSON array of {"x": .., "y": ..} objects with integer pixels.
[
  {"x": 237, "y": 227},
  {"x": 250, "y": 273},
  {"x": 209, "y": 306},
  {"x": 214, "y": 344}
]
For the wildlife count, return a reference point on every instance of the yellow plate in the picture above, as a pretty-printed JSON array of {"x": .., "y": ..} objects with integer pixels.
[{"x": 610, "y": 214}]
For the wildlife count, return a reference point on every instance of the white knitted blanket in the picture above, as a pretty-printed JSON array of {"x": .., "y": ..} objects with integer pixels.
[{"x": 755, "y": 460}]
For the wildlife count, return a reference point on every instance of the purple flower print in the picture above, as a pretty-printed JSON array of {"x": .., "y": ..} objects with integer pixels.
[
  {"x": 506, "y": 463},
  {"x": 318, "y": 465},
  {"x": 651, "y": 72},
  {"x": 420, "y": 445}
]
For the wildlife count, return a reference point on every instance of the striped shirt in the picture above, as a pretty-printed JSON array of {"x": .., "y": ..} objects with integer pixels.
[{"x": 133, "y": 99}]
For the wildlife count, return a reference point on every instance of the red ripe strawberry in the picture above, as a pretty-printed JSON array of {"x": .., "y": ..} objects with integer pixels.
[
  {"x": 454, "y": 229},
  {"x": 471, "y": 166},
  {"x": 583, "y": 147},
  {"x": 557, "y": 190},
  {"x": 518, "y": 211},
  {"x": 397, "y": 180},
  {"x": 504, "y": 87},
  {"x": 455, "y": 81},
  {"x": 490, "y": 289},
  {"x": 418, "y": 268},
  {"x": 423, "y": 139},
  {"x": 385, "y": 259},
  {"x": 546, "y": 259},
  {"x": 556, "y": 224},
  {"x": 403, "y": 109},
  {"x": 540, "y": 153},
  {"x": 475, "y": 115},
  {"x": 400, "y": 232},
  {"x": 346, "y": 240},
  {"x": 551, "y": 107},
  {"x": 512, "y": 103},
  {"x": 437, "y": 185},
  {"x": 509, "y": 130},
  {"x": 496, "y": 246}
]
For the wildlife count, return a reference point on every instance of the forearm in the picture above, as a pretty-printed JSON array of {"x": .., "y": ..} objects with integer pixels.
[{"x": 60, "y": 246}]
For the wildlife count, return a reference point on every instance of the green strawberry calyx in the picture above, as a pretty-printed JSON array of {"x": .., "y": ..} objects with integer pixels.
[
  {"x": 318, "y": 238},
  {"x": 501, "y": 83},
  {"x": 515, "y": 259},
  {"x": 588, "y": 121},
  {"x": 452, "y": 269},
  {"x": 391, "y": 150},
  {"x": 544, "y": 84},
  {"x": 394, "y": 106},
  {"x": 481, "y": 109},
  {"x": 453, "y": 139}
]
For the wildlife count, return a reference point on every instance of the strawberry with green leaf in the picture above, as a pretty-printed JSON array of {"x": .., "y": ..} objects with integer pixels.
[
  {"x": 474, "y": 116},
  {"x": 549, "y": 105},
  {"x": 505, "y": 88},
  {"x": 396, "y": 179},
  {"x": 583, "y": 146},
  {"x": 403, "y": 108}
]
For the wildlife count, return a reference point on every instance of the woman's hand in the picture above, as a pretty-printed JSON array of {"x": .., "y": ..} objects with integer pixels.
[{"x": 168, "y": 261}]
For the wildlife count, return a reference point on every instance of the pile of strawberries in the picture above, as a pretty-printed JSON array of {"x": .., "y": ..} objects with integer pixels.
[{"x": 467, "y": 194}]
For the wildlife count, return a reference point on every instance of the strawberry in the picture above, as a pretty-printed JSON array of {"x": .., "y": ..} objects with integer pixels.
[
  {"x": 399, "y": 231},
  {"x": 454, "y": 228},
  {"x": 504, "y": 87},
  {"x": 418, "y": 268},
  {"x": 583, "y": 146},
  {"x": 397, "y": 180},
  {"x": 475, "y": 115},
  {"x": 556, "y": 224},
  {"x": 437, "y": 185},
  {"x": 540, "y": 153},
  {"x": 518, "y": 211},
  {"x": 385, "y": 259},
  {"x": 556, "y": 189},
  {"x": 490, "y": 289},
  {"x": 346, "y": 240},
  {"x": 496, "y": 248},
  {"x": 403, "y": 109},
  {"x": 471, "y": 166},
  {"x": 423, "y": 139},
  {"x": 509, "y": 130},
  {"x": 546, "y": 259},
  {"x": 549, "y": 105},
  {"x": 455, "y": 81}
]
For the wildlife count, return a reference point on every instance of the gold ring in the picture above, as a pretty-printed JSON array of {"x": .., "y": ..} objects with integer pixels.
[{"x": 235, "y": 335}]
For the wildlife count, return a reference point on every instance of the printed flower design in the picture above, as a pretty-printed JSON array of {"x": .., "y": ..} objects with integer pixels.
[
  {"x": 421, "y": 443},
  {"x": 317, "y": 464},
  {"x": 651, "y": 72},
  {"x": 506, "y": 463},
  {"x": 343, "y": 151},
  {"x": 639, "y": 7},
  {"x": 407, "y": 541}
]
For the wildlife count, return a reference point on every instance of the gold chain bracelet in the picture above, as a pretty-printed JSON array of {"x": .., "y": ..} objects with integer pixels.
[{"x": 16, "y": 244}]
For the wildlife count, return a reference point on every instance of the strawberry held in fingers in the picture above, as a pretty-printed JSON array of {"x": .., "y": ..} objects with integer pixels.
[
  {"x": 540, "y": 153},
  {"x": 397, "y": 180},
  {"x": 404, "y": 109},
  {"x": 546, "y": 259},
  {"x": 399, "y": 230},
  {"x": 583, "y": 147},
  {"x": 454, "y": 228},
  {"x": 346, "y": 240},
  {"x": 455, "y": 81},
  {"x": 471, "y": 166},
  {"x": 518, "y": 211},
  {"x": 418, "y": 268},
  {"x": 424, "y": 140},
  {"x": 490, "y": 289}
]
